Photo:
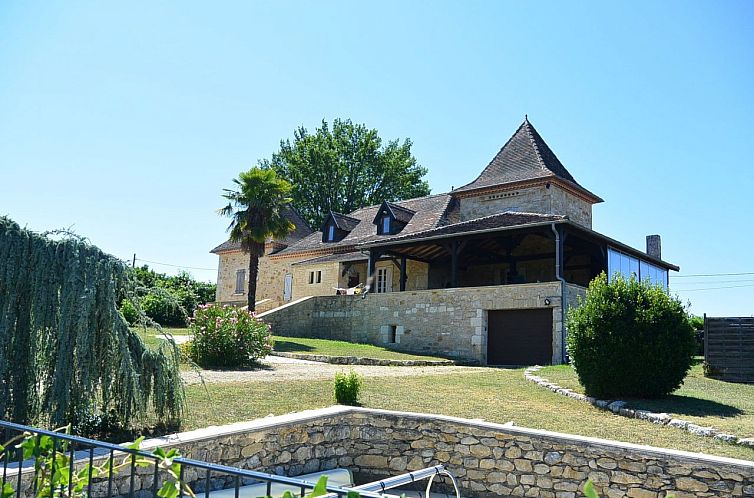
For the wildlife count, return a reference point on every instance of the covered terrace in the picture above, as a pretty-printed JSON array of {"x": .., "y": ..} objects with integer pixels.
[{"x": 509, "y": 248}]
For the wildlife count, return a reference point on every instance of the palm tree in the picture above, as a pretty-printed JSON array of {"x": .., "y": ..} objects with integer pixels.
[{"x": 256, "y": 208}]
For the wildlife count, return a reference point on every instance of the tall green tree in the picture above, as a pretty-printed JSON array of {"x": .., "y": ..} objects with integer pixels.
[
  {"x": 256, "y": 211},
  {"x": 66, "y": 354},
  {"x": 344, "y": 168}
]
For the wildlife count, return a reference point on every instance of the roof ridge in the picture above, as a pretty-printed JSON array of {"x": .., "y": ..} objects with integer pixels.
[
  {"x": 404, "y": 200},
  {"x": 534, "y": 144},
  {"x": 335, "y": 213},
  {"x": 495, "y": 156},
  {"x": 404, "y": 208}
]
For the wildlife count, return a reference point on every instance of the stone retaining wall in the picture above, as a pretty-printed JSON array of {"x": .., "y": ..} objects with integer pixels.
[
  {"x": 358, "y": 360},
  {"x": 488, "y": 459},
  {"x": 442, "y": 322}
]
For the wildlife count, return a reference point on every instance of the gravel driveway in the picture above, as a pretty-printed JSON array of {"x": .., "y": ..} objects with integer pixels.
[{"x": 276, "y": 368}]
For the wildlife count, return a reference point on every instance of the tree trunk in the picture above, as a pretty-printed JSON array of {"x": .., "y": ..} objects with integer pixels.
[{"x": 254, "y": 254}]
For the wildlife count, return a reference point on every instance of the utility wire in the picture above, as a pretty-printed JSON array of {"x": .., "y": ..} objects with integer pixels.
[
  {"x": 713, "y": 275},
  {"x": 175, "y": 266},
  {"x": 712, "y": 288},
  {"x": 716, "y": 282}
]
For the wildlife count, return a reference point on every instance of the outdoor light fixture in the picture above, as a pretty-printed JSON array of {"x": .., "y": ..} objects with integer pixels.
[{"x": 547, "y": 301}]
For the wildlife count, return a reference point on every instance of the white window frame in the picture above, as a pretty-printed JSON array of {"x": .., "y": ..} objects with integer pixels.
[
  {"x": 330, "y": 233},
  {"x": 384, "y": 280}
]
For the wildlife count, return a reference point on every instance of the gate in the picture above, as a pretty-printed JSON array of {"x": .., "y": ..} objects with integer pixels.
[{"x": 729, "y": 348}]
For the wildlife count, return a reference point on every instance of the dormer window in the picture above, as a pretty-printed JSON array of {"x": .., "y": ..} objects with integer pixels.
[
  {"x": 337, "y": 226},
  {"x": 386, "y": 224},
  {"x": 391, "y": 218}
]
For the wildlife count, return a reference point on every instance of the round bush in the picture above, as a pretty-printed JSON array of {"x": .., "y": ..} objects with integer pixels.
[
  {"x": 164, "y": 308},
  {"x": 227, "y": 337},
  {"x": 629, "y": 339}
]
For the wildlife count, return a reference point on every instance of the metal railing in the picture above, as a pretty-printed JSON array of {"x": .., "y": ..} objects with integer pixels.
[{"x": 80, "y": 454}]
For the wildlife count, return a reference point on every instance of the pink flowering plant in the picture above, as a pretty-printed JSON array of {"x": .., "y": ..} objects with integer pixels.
[{"x": 227, "y": 337}]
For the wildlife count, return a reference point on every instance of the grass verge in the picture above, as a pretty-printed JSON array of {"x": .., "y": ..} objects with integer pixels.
[
  {"x": 496, "y": 395},
  {"x": 341, "y": 348},
  {"x": 707, "y": 402},
  {"x": 150, "y": 335}
]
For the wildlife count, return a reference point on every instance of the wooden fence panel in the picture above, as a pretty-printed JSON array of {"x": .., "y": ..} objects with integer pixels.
[{"x": 729, "y": 348}]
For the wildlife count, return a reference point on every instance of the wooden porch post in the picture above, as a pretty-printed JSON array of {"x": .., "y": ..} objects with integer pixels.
[
  {"x": 372, "y": 262},
  {"x": 403, "y": 273},
  {"x": 455, "y": 249}
]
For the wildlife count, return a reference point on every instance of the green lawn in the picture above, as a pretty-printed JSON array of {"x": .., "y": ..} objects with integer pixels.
[
  {"x": 706, "y": 402},
  {"x": 149, "y": 335},
  {"x": 342, "y": 348},
  {"x": 497, "y": 395},
  {"x": 303, "y": 345}
]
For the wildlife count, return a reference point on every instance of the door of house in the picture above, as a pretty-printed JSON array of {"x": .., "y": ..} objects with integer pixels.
[
  {"x": 384, "y": 280},
  {"x": 288, "y": 287},
  {"x": 519, "y": 337}
]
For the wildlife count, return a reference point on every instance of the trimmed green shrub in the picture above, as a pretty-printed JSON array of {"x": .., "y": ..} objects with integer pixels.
[
  {"x": 347, "y": 388},
  {"x": 164, "y": 308},
  {"x": 227, "y": 337},
  {"x": 629, "y": 339},
  {"x": 167, "y": 300}
]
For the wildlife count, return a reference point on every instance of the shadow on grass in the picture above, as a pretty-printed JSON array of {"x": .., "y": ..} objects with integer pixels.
[
  {"x": 686, "y": 405},
  {"x": 254, "y": 367},
  {"x": 291, "y": 347}
]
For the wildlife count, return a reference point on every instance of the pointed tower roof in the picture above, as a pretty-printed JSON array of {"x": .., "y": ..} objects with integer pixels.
[{"x": 525, "y": 156}]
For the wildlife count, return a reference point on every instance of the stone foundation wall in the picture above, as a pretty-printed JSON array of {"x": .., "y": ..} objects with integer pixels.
[
  {"x": 488, "y": 459},
  {"x": 445, "y": 322}
]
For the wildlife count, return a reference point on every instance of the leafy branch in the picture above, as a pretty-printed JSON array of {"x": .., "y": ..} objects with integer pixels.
[{"x": 56, "y": 476}]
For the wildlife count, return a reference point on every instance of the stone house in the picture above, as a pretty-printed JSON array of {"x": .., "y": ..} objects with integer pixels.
[{"x": 483, "y": 273}]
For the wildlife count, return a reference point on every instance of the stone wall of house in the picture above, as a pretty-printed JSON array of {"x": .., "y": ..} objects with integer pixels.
[
  {"x": 574, "y": 293},
  {"x": 270, "y": 280},
  {"x": 446, "y": 322},
  {"x": 489, "y": 460},
  {"x": 537, "y": 199},
  {"x": 329, "y": 276}
]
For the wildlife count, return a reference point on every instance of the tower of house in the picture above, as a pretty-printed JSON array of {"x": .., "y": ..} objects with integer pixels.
[{"x": 526, "y": 176}]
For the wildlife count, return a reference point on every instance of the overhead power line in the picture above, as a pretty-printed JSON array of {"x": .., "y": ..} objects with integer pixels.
[
  {"x": 712, "y": 288},
  {"x": 708, "y": 282},
  {"x": 713, "y": 275},
  {"x": 175, "y": 266}
]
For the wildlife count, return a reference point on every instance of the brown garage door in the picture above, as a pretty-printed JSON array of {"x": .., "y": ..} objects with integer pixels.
[{"x": 519, "y": 337}]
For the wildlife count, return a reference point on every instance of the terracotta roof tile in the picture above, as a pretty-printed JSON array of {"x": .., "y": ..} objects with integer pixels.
[
  {"x": 525, "y": 156},
  {"x": 429, "y": 213},
  {"x": 508, "y": 219}
]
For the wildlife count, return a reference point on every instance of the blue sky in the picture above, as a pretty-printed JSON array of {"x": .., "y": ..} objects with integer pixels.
[{"x": 127, "y": 120}]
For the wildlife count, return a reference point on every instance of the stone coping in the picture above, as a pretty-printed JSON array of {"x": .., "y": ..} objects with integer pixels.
[
  {"x": 297, "y": 418},
  {"x": 282, "y": 307},
  {"x": 618, "y": 407},
  {"x": 358, "y": 360}
]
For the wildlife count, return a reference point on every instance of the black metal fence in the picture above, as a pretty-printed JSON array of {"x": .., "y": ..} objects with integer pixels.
[
  {"x": 51, "y": 464},
  {"x": 729, "y": 348}
]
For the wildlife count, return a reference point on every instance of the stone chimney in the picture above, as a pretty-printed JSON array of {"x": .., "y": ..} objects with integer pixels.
[{"x": 654, "y": 246}]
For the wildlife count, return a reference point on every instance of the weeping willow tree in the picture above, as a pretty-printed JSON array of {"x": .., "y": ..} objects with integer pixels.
[{"x": 66, "y": 353}]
